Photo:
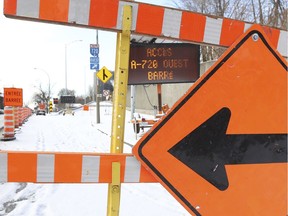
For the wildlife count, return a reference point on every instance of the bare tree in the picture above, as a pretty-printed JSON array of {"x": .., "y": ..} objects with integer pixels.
[
  {"x": 266, "y": 12},
  {"x": 91, "y": 92},
  {"x": 210, "y": 7},
  {"x": 41, "y": 95}
]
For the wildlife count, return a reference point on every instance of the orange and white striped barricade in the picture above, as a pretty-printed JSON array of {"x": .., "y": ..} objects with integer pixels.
[
  {"x": 26, "y": 114},
  {"x": 56, "y": 167},
  {"x": 16, "y": 117},
  {"x": 9, "y": 124},
  {"x": 20, "y": 116},
  {"x": 211, "y": 30}
]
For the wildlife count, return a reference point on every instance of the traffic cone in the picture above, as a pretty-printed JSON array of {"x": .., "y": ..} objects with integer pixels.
[{"x": 9, "y": 124}]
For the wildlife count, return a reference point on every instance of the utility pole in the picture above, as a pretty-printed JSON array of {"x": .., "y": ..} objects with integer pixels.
[{"x": 96, "y": 87}]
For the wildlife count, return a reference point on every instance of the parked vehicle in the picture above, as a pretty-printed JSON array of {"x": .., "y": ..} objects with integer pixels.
[{"x": 41, "y": 109}]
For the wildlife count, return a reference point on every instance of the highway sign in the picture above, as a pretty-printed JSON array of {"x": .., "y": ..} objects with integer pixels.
[
  {"x": 94, "y": 63},
  {"x": 94, "y": 49},
  {"x": 94, "y": 60},
  {"x": 94, "y": 66},
  {"x": 104, "y": 74},
  {"x": 222, "y": 148}
]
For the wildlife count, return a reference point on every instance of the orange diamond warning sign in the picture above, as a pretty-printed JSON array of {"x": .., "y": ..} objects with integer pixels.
[{"x": 222, "y": 148}]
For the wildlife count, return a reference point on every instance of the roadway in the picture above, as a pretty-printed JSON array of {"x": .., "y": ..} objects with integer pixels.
[{"x": 79, "y": 133}]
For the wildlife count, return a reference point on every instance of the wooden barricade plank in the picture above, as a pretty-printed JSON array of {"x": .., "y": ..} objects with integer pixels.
[
  {"x": 150, "y": 20},
  {"x": 40, "y": 167}
]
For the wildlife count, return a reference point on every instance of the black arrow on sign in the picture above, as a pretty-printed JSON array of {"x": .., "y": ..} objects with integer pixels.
[
  {"x": 208, "y": 148},
  {"x": 104, "y": 75}
]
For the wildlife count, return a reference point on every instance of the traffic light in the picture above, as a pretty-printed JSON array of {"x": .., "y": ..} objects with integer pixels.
[
  {"x": 55, "y": 100},
  {"x": 50, "y": 106}
]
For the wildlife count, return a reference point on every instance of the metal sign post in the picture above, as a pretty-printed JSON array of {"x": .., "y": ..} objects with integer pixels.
[
  {"x": 119, "y": 107},
  {"x": 94, "y": 65}
]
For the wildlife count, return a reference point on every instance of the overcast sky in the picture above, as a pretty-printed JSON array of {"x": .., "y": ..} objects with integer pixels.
[{"x": 26, "y": 45}]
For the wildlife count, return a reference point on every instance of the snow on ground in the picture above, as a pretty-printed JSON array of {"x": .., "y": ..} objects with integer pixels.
[{"x": 78, "y": 133}]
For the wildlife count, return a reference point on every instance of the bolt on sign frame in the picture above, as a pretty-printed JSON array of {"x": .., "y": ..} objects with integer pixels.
[{"x": 146, "y": 20}]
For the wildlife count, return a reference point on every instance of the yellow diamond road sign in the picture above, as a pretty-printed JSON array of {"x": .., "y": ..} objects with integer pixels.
[{"x": 104, "y": 74}]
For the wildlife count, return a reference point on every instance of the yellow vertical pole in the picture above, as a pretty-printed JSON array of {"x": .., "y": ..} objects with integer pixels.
[{"x": 119, "y": 107}]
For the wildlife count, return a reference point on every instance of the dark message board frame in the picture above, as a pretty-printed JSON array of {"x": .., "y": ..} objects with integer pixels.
[{"x": 163, "y": 63}]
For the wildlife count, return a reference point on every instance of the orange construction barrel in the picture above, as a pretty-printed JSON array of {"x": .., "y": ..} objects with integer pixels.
[
  {"x": 85, "y": 107},
  {"x": 9, "y": 124}
]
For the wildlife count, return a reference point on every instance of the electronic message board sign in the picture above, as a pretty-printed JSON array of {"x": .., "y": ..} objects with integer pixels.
[
  {"x": 163, "y": 63},
  {"x": 67, "y": 99}
]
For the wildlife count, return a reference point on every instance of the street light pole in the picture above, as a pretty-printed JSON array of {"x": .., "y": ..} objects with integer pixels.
[{"x": 66, "y": 45}]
